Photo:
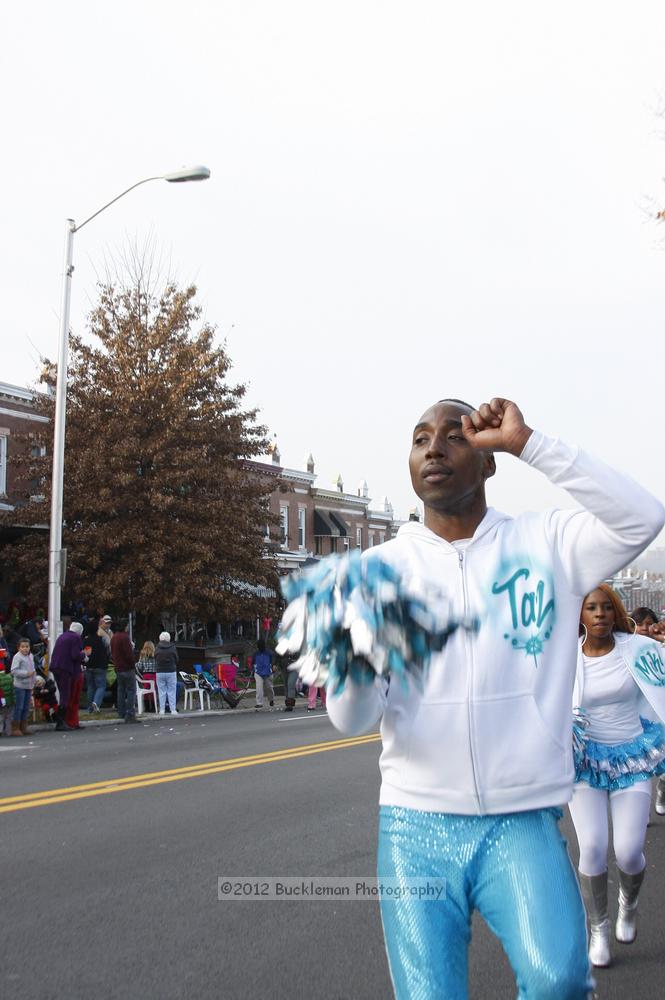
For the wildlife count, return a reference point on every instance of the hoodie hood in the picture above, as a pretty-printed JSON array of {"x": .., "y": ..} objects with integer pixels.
[{"x": 483, "y": 533}]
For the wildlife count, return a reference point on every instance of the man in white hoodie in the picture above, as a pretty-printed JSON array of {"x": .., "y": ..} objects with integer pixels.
[{"x": 476, "y": 764}]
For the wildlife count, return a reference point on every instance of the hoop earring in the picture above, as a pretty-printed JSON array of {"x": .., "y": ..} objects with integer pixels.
[
  {"x": 634, "y": 623},
  {"x": 586, "y": 634}
]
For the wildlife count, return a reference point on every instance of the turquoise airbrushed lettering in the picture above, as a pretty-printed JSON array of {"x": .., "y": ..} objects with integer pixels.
[
  {"x": 533, "y": 609},
  {"x": 650, "y": 665},
  {"x": 528, "y": 596}
]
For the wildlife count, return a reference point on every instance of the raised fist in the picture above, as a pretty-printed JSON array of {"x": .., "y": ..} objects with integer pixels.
[{"x": 496, "y": 426}]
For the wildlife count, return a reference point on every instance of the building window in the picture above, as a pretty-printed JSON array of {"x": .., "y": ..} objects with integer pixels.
[
  {"x": 284, "y": 517},
  {"x": 370, "y": 539},
  {"x": 317, "y": 545},
  {"x": 359, "y": 538},
  {"x": 3, "y": 465},
  {"x": 382, "y": 537},
  {"x": 333, "y": 544},
  {"x": 301, "y": 527},
  {"x": 266, "y": 532},
  {"x": 346, "y": 543}
]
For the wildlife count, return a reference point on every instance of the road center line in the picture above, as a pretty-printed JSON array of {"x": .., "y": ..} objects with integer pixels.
[{"x": 56, "y": 795}]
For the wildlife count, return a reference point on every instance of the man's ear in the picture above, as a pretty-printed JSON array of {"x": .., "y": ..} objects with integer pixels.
[{"x": 489, "y": 465}]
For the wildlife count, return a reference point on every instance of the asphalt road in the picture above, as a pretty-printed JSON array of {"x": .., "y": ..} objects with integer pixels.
[{"x": 115, "y": 895}]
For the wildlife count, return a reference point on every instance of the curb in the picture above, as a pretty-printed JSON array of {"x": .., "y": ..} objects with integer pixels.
[{"x": 95, "y": 723}]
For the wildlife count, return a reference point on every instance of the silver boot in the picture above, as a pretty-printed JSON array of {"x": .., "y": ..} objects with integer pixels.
[
  {"x": 660, "y": 797},
  {"x": 594, "y": 894},
  {"x": 629, "y": 890}
]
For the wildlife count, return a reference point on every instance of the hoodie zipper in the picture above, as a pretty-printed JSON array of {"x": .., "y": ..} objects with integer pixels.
[{"x": 469, "y": 686}]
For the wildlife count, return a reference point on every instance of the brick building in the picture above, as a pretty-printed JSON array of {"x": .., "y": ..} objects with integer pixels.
[
  {"x": 17, "y": 417},
  {"x": 316, "y": 521}
]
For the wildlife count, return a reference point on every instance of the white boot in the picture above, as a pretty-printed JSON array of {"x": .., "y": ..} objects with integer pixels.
[
  {"x": 594, "y": 894},
  {"x": 600, "y": 954},
  {"x": 629, "y": 890},
  {"x": 659, "y": 805}
]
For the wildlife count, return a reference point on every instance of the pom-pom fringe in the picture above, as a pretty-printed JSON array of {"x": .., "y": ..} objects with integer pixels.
[{"x": 350, "y": 617}]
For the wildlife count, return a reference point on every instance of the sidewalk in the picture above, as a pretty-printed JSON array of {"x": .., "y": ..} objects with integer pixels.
[{"x": 109, "y": 717}]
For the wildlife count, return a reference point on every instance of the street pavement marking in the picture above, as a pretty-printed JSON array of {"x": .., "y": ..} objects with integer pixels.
[
  {"x": 55, "y": 795},
  {"x": 303, "y": 718}
]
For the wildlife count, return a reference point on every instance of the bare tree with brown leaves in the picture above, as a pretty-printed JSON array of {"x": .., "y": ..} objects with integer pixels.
[{"x": 160, "y": 514}]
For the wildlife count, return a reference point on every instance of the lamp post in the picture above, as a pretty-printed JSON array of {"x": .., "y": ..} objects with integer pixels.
[{"x": 56, "y": 561}]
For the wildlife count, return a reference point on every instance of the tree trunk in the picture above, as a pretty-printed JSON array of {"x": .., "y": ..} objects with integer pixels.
[{"x": 148, "y": 627}]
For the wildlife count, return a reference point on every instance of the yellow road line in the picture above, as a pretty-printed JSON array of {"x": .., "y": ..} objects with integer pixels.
[
  {"x": 55, "y": 795},
  {"x": 258, "y": 757}
]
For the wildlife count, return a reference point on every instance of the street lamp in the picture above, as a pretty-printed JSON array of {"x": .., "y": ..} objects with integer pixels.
[{"x": 55, "y": 565}]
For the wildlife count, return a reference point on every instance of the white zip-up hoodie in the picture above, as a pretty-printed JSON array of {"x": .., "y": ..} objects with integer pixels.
[{"x": 490, "y": 731}]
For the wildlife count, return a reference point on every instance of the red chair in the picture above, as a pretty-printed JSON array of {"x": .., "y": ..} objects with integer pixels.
[{"x": 226, "y": 675}]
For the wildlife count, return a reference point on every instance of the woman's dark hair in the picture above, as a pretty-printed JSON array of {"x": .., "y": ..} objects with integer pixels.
[
  {"x": 261, "y": 645},
  {"x": 639, "y": 614}
]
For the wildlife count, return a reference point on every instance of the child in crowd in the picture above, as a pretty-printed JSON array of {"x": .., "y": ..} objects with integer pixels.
[{"x": 23, "y": 673}]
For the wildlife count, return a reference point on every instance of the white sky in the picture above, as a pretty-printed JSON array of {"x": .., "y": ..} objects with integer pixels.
[{"x": 408, "y": 201}]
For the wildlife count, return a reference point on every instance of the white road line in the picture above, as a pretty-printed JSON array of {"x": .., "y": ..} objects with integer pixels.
[
  {"x": 21, "y": 747},
  {"x": 303, "y": 717}
]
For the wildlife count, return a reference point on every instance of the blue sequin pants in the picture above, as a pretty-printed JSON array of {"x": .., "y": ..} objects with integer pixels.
[{"x": 515, "y": 870}]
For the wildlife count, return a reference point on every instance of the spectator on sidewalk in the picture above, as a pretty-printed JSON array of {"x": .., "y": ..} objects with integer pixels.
[
  {"x": 72, "y": 710},
  {"x": 66, "y": 661},
  {"x": 311, "y": 697},
  {"x": 32, "y": 630},
  {"x": 6, "y": 697},
  {"x": 262, "y": 667},
  {"x": 11, "y": 639},
  {"x": 290, "y": 679},
  {"x": 23, "y": 674},
  {"x": 166, "y": 665},
  {"x": 145, "y": 669},
  {"x": 5, "y": 656},
  {"x": 99, "y": 641},
  {"x": 146, "y": 664},
  {"x": 124, "y": 661}
]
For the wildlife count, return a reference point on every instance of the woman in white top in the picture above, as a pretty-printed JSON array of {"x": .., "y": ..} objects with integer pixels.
[
  {"x": 617, "y": 752},
  {"x": 646, "y": 623}
]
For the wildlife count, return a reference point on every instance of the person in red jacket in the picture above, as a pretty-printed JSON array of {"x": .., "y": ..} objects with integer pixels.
[{"x": 124, "y": 661}]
